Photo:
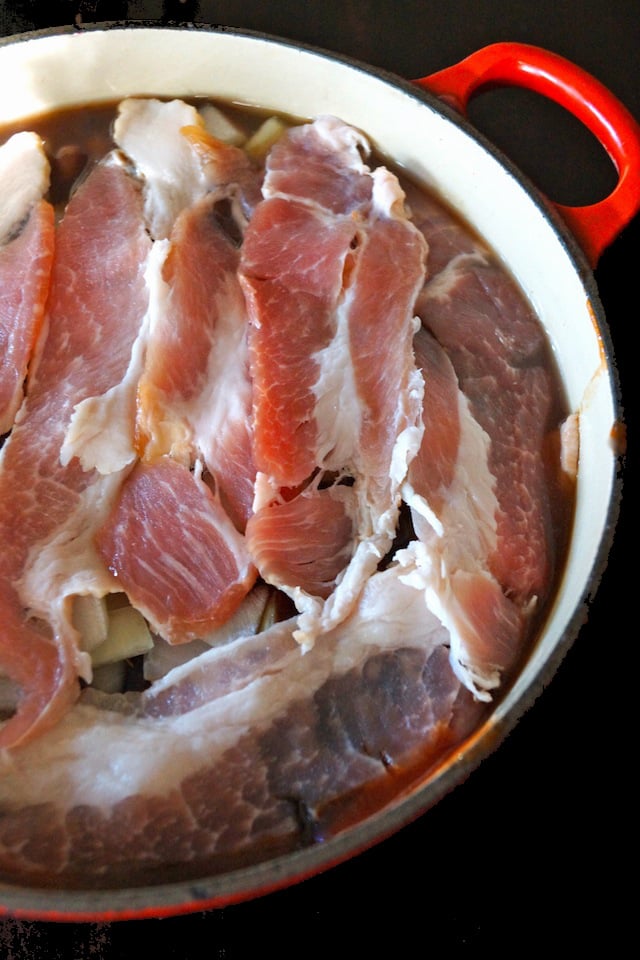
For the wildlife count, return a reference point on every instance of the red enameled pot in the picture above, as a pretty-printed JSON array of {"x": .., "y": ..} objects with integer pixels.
[{"x": 550, "y": 250}]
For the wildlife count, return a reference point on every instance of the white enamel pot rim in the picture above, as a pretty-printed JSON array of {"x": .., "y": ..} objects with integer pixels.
[{"x": 50, "y": 69}]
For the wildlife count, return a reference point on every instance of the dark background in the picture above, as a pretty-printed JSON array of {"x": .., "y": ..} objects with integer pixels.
[{"x": 534, "y": 850}]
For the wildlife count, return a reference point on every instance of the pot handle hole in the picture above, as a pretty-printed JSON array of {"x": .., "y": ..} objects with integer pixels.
[{"x": 517, "y": 64}]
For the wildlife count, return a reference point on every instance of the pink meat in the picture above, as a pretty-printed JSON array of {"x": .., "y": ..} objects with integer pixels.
[
  {"x": 293, "y": 259},
  {"x": 385, "y": 282},
  {"x": 25, "y": 269},
  {"x": 174, "y": 551},
  {"x": 306, "y": 541},
  {"x": 490, "y": 624},
  {"x": 97, "y": 299},
  {"x": 432, "y": 470},
  {"x": 310, "y": 164},
  {"x": 260, "y": 798},
  {"x": 295, "y": 263}
]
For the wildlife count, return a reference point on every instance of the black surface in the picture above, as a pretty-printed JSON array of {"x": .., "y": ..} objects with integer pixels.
[{"x": 533, "y": 850}]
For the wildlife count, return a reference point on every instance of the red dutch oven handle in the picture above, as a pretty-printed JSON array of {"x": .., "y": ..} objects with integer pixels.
[{"x": 522, "y": 65}]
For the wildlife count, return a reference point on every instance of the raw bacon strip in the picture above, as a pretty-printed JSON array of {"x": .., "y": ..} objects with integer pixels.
[
  {"x": 450, "y": 486},
  {"x": 45, "y": 675},
  {"x": 174, "y": 551},
  {"x": 450, "y": 490},
  {"x": 26, "y": 253},
  {"x": 386, "y": 280},
  {"x": 25, "y": 268},
  {"x": 296, "y": 259},
  {"x": 432, "y": 469},
  {"x": 331, "y": 267},
  {"x": 194, "y": 397},
  {"x": 47, "y": 511},
  {"x": 292, "y": 267},
  {"x": 101, "y": 431},
  {"x": 248, "y": 751},
  {"x": 498, "y": 350}
]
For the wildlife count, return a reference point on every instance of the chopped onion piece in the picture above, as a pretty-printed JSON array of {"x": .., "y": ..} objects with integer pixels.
[
  {"x": 264, "y": 137},
  {"x": 91, "y": 620},
  {"x": 128, "y": 636},
  {"x": 221, "y": 127}
]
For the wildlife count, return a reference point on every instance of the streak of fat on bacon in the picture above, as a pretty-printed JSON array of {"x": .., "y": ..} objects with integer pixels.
[
  {"x": 102, "y": 430},
  {"x": 49, "y": 509},
  {"x": 26, "y": 253},
  {"x": 331, "y": 266},
  {"x": 228, "y": 749},
  {"x": 24, "y": 174}
]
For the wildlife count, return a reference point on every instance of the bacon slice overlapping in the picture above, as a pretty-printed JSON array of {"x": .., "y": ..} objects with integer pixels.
[
  {"x": 194, "y": 395},
  {"x": 168, "y": 540}
]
